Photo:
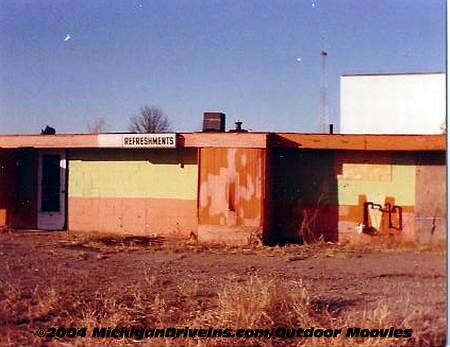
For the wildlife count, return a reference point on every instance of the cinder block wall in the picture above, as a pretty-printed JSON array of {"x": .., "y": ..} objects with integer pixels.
[{"x": 133, "y": 191}]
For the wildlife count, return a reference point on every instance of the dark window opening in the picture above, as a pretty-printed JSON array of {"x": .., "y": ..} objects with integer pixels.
[{"x": 50, "y": 183}]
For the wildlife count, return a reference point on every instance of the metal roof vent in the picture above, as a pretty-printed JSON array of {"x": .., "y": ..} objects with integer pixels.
[{"x": 238, "y": 128}]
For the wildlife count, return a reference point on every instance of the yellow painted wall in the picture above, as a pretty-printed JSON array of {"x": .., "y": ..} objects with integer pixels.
[
  {"x": 389, "y": 176},
  {"x": 161, "y": 173}
]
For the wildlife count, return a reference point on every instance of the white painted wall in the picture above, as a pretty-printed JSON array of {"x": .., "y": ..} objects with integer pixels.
[{"x": 393, "y": 104}]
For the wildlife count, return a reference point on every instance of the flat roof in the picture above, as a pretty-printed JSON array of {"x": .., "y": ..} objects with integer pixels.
[
  {"x": 369, "y": 142},
  {"x": 365, "y": 142},
  {"x": 392, "y": 73}
]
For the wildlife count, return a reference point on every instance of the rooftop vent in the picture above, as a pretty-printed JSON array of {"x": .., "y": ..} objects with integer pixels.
[
  {"x": 238, "y": 128},
  {"x": 214, "y": 121}
]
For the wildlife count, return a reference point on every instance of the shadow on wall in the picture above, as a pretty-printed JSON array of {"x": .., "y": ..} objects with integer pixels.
[
  {"x": 154, "y": 156},
  {"x": 18, "y": 188},
  {"x": 7, "y": 185},
  {"x": 376, "y": 192},
  {"x": 318, "y": 194},
  {"x": 380, "y": 218},
  {"x": 304, "y": 196}
]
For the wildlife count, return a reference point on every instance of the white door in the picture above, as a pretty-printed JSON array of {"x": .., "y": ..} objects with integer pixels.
[{"x": 51, "y": 190}]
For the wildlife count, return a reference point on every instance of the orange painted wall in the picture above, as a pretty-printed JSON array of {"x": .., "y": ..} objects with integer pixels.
[
  {"x": 137, "y": 216},
  {"x": 232, "y": 187}
]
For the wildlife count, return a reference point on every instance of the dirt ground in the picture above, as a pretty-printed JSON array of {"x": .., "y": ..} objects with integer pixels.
[{"x": 344, "y": 280}]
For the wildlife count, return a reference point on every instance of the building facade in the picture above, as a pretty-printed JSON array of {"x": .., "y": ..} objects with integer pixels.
[{"x": 226, "y": 187}]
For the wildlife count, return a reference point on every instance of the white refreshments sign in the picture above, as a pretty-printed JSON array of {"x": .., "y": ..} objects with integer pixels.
[{"x": 137, "y": 140}]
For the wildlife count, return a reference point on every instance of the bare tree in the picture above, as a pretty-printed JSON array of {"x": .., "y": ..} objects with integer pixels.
[
  {"x": 97, "y": 125},
  {"x": 151, "y": 119}
]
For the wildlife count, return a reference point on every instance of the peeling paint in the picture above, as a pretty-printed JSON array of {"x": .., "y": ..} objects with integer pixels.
[{"x": 231, "y": 186}]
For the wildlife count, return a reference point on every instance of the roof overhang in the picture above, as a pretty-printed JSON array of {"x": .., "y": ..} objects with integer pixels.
[{"x": 244, "y": 140}]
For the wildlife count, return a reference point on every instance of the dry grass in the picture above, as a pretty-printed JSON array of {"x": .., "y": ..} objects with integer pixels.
[
  {"x": 259, "y": 303},
  {"x": 104, "y": 244},
  {"x": 239, "y": 301},
  {"x": 254, "y": 303},
  {"x": 391, "y": 243},
  {"x": 307, "y": 230}
]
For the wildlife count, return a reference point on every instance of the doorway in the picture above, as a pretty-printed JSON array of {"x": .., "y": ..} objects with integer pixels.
[{"x": 51, "y": 199}]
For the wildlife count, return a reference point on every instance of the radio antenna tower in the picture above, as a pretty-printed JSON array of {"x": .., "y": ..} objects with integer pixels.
[{"x": 323, "y": 106}]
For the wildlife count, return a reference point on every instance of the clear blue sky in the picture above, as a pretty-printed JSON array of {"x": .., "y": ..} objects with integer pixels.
[{"x": 190, "y": 56}]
